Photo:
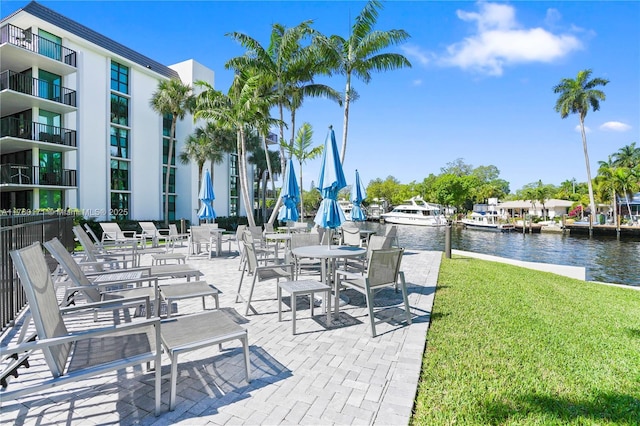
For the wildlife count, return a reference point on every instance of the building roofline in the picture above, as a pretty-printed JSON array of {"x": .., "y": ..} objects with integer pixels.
[{"x": 67, "y": 24}]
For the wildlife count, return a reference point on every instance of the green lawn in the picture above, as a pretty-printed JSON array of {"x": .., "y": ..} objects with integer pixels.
[{"x": 509, "y": 345}]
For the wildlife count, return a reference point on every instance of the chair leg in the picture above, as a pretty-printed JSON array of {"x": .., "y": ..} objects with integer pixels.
[
  {"x": 279, "y": 294},
  {"x": 404, "y": 296},
  {"x": 253, "y": 285},
  {"x": 174, "y": 380},
  {"x": 239, "y": 287},
  {"x": 369, "y": 297},
  {"x": 157, "y": 365},
  {"x": 247, "y": 360}
]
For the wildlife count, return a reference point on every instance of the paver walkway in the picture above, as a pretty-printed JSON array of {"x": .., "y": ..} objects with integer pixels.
[{"x": 319, "y": 376}]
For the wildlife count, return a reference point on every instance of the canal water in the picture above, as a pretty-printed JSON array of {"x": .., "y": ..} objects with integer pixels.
[{"x": 606, "y": 259}]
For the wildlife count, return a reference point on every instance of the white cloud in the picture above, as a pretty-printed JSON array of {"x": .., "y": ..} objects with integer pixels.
[
  {"x": 500, "y": 41},
  {"x": 586, "y": 129},
  {"x": 417, "y": 82},
  {"x": 615, "y": 126},
  {"x": 416, "y": 53}
]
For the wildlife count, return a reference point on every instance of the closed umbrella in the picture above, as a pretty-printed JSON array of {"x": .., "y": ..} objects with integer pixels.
[
  {"x": 206, "y": 196},
  {"x": 290, "y": 195},
  {"x": 357, "y": 195},
  {"x": 330, "y": 182}
]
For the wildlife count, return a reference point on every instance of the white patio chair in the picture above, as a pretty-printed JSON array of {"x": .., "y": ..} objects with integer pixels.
[
  {"x": 383, "y": 271},
  {"x": 112, "y": 234},
  {"x": 151, "y": 232},
  {"x": 73, "y": 356},
  {"x": 260, "y": 273},
  {"x": 200, "y": 237},
  {"x": 113, "y": 289}
]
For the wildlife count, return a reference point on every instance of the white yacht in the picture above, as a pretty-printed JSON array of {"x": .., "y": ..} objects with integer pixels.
[
  {"x": 346, "y": 207},
  {"x": 416, "y": 211},
  {"x": 488, "y": 221}
]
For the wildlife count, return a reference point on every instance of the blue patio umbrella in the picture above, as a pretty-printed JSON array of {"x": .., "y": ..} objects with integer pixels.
[
  {"x": 330, "y": 182},
  {"x": 206, "y": 196},
  {"x": 357, "y": 195},
  {"x": 290, "y": 195}
]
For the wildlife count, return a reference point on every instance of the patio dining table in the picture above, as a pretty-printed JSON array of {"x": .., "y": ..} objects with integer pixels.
[{"x": 328, "y": 254}]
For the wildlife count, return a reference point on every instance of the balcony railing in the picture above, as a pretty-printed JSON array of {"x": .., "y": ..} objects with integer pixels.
[
  {"x": 33, "y": 42},
  {"x": 34, "y": 86},
  {"x": 16, "y": 128},
  {"x": 21, "y": 174}
]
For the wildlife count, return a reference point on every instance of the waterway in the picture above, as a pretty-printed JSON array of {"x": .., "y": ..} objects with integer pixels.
[{"x": 606, "y": 259}]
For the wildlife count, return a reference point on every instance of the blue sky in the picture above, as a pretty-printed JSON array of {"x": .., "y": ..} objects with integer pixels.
[{"x": 480, "y": 87}]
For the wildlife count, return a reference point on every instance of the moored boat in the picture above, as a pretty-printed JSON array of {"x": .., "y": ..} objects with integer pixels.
[
  {"x": 486, "y": 221},
  {"x": 416, "y": 211},
  {"x": 346, "y": 207}
]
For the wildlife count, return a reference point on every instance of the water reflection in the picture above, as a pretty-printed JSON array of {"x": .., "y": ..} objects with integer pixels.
[{"x": 606, "y": 259}]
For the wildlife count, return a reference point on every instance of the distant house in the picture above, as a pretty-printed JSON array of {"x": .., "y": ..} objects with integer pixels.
[
  {"x": 551, "y": 208},
  {"x": 633, "y": 204}
]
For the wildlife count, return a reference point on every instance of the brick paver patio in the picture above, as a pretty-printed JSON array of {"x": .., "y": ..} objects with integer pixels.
[{"x": 321, "y": 376}]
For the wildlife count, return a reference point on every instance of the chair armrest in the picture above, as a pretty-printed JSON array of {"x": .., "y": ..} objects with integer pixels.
[
  {"x": 81, "y": 335},
  {"x": 112, "y": 304},
  {"x": 277, "y": 266}
]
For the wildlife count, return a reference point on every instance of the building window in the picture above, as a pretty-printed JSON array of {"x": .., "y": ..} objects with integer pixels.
[
  {"x": 234, "y": 184},
  {"x": 119, "y": 206},
  {"x": 119, "y": 110},
  {"x": 166, "y": 130},
  {"x": 165, "y": 152},
  {"x": 172, "y": 179},
  {"x": 172, "y": 206},
  {"x": 119, "y": 77},
  {"x": 119, "y": 175},
  {"x": 51, "y": 199},
  {"x": 166, "y": 125},
  {"x": 49, "y": 86},
  {"x": 119, "y": 142},
  {"x": 49, "y": 45}
]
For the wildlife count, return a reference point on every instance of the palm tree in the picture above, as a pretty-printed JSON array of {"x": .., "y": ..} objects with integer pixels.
[
  {"x": 208, "y": 143},
  {"x": 174, "y": 98},
  {"x": 286, "y": 68},
  {"x": 359, "y": 55},
  {"x": 628, "y": 156},
  {"x": 606, "y": 184},
  {"x": 263, "y": 160},
  {"x": 272, "y": 63},
  {"x": 301, "y": 149},
  {"x": 576, "y": 97},
  {"x": 627, "y": 181},
  {"x": 242, "y": 110}
]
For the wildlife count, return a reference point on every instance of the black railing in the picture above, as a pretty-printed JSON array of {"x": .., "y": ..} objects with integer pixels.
[
  {"x": 23, "y": 129},
  {"x": 33, "y": 42},
  {"x": 22, "y": 174},
  {"x": 34, "y": 86},
  {"x": 16, "y": 232}
]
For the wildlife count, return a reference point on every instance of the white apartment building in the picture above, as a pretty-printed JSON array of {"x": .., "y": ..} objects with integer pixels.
[{"x": 77, "y": 130}]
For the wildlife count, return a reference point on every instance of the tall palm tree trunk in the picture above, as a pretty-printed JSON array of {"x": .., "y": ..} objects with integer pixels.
[
  {"x": 283, "y": 165},
  {"x": 592, "y": 200},
  {"x": 244, "y": 187},
  {"x": 345, "y": 125},
  {"x": 615, "y": 210},
  {"x": 301, "y": 191}
]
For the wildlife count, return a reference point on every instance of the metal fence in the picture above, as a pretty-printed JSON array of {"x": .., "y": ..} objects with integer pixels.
[{"x": 18, "y": 231}]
